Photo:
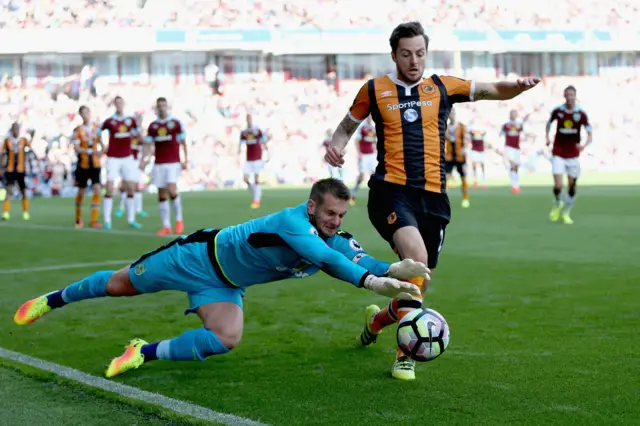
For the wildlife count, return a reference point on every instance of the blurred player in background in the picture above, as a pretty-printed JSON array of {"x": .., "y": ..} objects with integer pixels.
[
  {"x": 15, "y": 154},
  {"x": 215, "y": 266},
  {"x": 366, "y": 141},
  {"x": 139, "y": 181},
  {"x": 167, "y": 134},
  {"x": 88, "y": 146},
  {"x": 455, "y": 154},
  {"x": 512, "y": 130},
  {"x": 334, "y": 172},
  {"x": 254, "y": 139},
  {"x": 569, "y": 119},
  {"x": 477, "y": 136},
  {"x": 120, "y": 162},
  {"x": 408, "y": 204}
]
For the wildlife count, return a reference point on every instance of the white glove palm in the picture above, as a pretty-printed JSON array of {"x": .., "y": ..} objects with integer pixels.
[
  {"x": 409, "y": 269},
  {"x": 389, "y": 287}
]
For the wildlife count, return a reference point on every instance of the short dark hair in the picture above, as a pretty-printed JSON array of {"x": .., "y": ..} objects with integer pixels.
[
  {"x": 118, "y": 97},
  {"x": 161, "y": 99},
  {"x": 332, "y": 186},
  {"x": 407, "y": 30},
  {"x": 82, "y": 108},
  {"x": 570, "y": 87}
]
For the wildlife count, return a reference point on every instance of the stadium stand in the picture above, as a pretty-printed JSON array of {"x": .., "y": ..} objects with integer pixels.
[
  {"x": 476, "y": 14},
  {"x": 297, "y": 106}
]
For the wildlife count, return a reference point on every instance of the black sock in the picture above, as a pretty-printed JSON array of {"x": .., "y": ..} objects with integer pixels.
[
  {"x": 149, "y": 352},
  {"x": 54, "y": 300}
]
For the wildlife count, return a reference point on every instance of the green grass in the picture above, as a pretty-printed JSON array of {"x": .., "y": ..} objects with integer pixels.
[
  {"x": 30, "y": 401},
  {"x": 543, "y": 318}
]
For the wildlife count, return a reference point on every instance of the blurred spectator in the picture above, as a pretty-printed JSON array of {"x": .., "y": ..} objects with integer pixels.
[
  {"x": 212, "y": 76},
  {"x": 477, "y": 14},
  {"x": 296, "y": 115}
]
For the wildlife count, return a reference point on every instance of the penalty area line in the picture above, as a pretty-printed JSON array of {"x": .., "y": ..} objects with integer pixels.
[
  {"x": 63, "y": 267},
  {"x": 175, "y": 405}
]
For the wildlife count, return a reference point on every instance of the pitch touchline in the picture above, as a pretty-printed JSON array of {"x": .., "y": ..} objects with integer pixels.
[
  {"x": 95, "y": 231},
  {"x": 62, "y": 267},
  {"x": 175, "y": 405}
]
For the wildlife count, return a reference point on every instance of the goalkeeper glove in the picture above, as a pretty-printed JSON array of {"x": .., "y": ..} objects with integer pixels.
[
  {"x": 389, "y": 287},
  {"x": 409, "y": 269}
]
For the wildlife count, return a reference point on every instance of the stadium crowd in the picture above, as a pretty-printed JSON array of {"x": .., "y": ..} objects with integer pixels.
[
  {"x": 463, "y": 14},
  {"x": 296, "y": 115}
]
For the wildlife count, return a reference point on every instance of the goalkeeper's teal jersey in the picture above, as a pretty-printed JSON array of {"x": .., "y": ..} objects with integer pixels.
[{"x": 286, "y": 245}]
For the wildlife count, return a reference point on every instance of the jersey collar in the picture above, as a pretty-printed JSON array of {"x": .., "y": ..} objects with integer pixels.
[{"x": 394, "y": 77}]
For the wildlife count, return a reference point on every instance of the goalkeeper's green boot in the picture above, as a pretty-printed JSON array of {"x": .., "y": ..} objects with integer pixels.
[
  {"x": 368, "y": 337},
  {"x": 131, "y": 359},
  {"x": 32, "y": 309}
]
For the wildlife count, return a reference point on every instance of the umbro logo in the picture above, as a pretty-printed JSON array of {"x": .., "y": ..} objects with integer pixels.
[{"x": 386, "y": 93}]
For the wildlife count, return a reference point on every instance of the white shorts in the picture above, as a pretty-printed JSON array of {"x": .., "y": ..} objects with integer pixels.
[
  {"x": 253, "y": 167},
  {"x": 138, "y": 174},
  {"x": 164, "y": 174},
  {"x": 512, "y": 154},
  {"x": 477, "y": 156},
  {"x": 565, "y": 166},
  {"x": 125, "y": 168},
  {"x": 367, "y": 163}
]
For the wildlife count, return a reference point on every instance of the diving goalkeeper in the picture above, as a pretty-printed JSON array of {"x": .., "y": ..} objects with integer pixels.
[{"x": 215, "y": 266}]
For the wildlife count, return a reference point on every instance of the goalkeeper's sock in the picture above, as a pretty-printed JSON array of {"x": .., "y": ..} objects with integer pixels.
[
  {"x": 192, "y": 345},
  {"x": 385, "y": 317},
  {"x": 407, "y": 305},
  {"x": 91, "y": 287}
]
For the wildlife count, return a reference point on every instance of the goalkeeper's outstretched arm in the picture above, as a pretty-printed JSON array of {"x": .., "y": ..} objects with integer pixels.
[
  {"x": 314, "y": 249},
  {"x": 346, "y": 244}
]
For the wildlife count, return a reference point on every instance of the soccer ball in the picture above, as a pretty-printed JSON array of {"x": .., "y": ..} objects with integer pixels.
[{"x": 423, "y": 334}]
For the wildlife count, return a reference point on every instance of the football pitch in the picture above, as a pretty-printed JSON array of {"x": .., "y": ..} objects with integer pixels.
[{"x": 544, "y": 320}]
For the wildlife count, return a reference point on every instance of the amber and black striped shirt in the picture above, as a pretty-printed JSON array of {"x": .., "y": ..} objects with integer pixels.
[
  {"x": 455, "y": 149},
  {"x": 411, "y": 122},
  {"x": 87, "y": 137},
  {"x": 15, "y": 150}
]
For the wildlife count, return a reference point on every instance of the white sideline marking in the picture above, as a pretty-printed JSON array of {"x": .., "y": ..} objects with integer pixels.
[
  {"x": 175, "y": 405},
  {"x": 97, "y": 231},
  {"x": 61, "y": 267}
]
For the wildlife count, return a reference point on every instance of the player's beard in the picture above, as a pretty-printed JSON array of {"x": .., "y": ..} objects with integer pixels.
[{"x": 406, "y": 79}]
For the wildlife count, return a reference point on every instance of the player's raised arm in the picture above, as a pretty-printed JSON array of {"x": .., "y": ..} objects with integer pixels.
[
  {"x": 502, "y": 90},
  {"x": 303, "y": 239},
  {"x": 357, "y": 113}
]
